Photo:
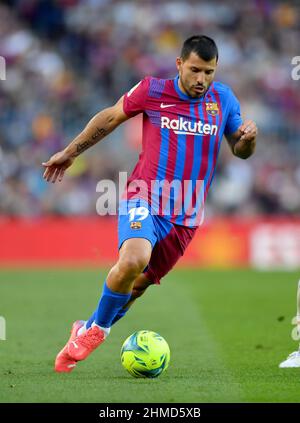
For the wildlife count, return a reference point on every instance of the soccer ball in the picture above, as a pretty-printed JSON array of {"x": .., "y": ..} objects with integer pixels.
[{"x": 145, "y": 354}]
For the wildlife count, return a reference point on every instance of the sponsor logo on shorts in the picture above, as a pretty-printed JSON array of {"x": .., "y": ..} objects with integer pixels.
[{"x": 135, "y": 225}]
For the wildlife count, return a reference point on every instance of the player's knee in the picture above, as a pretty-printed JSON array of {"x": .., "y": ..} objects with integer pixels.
[{"x": 133, "y": 265}]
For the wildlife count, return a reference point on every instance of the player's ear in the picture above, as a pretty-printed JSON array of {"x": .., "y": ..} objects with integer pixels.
[{"x": 178, "y": 63}]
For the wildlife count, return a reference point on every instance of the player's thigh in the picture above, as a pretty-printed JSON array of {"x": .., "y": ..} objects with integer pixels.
[
  {"x": 136, "y": 231},
  {"x": 168, "y": 251}
]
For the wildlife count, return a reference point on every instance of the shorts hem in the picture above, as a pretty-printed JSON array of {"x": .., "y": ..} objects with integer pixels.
[{"x": 152, "y": 242}]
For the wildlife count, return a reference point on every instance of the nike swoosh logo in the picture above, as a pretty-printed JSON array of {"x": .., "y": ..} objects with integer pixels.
[
  {"x": 164, "y": 106},
  {"x": 74, "y": 343}
]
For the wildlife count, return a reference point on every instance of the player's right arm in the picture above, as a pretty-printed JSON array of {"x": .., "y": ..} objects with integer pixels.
[{"x": 98, "y": 127}]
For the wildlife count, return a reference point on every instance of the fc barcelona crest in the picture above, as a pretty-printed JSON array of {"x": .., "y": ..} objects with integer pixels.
[
  {"x": 135, "y": 225},
  {"x": 212, "y": 108}
]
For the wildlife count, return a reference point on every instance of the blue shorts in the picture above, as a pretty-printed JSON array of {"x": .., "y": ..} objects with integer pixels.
[
  {"x": 136, "y": 221},
  {"x": 168, "y": 239}
]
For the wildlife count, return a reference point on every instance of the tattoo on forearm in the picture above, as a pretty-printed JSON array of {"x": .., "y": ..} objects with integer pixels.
[
  {"x": 101, "y": 132},
  {"x": 82, "y": 146}
]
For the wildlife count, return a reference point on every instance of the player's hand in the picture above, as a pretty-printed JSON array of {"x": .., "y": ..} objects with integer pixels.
[
  {"x": 56, "y": 166},
  {"x": 248, "y": 130}
]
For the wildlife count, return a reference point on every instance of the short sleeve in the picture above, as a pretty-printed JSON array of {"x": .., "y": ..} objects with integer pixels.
[
  {"x": 234, "y": 119},
  {"x": 135, "y": 100}
]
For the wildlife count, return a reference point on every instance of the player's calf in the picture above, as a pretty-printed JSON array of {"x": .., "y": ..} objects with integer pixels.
[
  {"x": 134, "y": 257},
  {"x": 140, "y": 285}
]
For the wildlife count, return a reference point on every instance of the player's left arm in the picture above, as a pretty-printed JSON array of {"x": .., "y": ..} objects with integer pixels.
[{"x": 243, "y": 141}]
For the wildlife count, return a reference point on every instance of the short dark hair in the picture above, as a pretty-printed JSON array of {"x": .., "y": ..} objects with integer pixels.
[{"x": 202, "y": 45}]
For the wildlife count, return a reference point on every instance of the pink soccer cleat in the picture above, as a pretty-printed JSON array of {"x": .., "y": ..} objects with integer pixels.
[
  {"x": 83, "y": 345},
  {"x": 63, "y": 362}
]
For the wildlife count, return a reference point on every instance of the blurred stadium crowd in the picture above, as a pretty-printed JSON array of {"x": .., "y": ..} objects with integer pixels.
[{"x": 68, "y": 59}]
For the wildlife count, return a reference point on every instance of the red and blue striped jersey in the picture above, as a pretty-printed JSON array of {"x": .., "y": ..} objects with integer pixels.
[{"x": 181, "y": 141}]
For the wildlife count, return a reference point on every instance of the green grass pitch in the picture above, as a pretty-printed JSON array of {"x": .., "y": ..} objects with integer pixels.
[{"x": 227, "y": 332}]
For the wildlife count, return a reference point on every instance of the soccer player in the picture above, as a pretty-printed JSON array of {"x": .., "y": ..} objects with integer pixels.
[
  {"x": 293, "y": 359},
  {"x": 184, "y": 120}
]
